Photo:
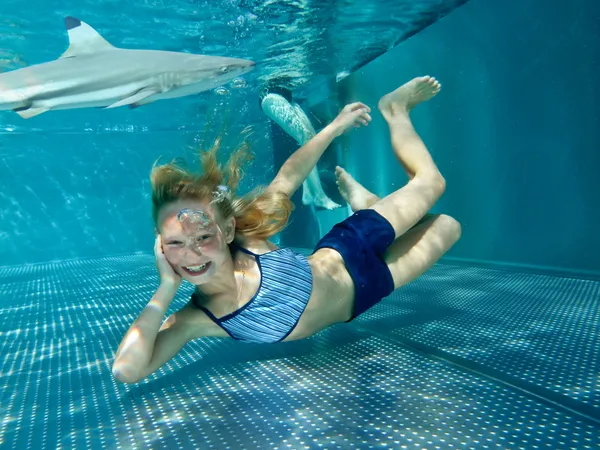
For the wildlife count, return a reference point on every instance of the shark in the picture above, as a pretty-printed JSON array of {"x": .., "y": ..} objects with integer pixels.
[{"x": 92, "y": 73}]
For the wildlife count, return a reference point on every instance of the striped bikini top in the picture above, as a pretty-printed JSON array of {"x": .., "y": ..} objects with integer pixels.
[{"x": 273, "y": 312}]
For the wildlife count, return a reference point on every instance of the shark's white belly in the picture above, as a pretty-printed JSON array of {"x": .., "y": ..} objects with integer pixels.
[
  {"x": 182, "y": 91},
  {"x": 93, "y": 98},
  {"x": 112, "y": 78},
  {"x": 88, "y": 82}
]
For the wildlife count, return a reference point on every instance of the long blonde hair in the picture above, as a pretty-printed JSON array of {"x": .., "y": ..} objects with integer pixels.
[{"x": 259, "y": 213}]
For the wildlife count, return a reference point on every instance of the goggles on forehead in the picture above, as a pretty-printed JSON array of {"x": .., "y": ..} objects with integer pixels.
[
  {"x": 199, "y": 218},
  {"x": 196, "y": 223},
  {"x": 194, "y": 217}
]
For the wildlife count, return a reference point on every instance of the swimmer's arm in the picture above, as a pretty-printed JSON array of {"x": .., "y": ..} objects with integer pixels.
[
  {"x": 148, "y": 345},
  {"x": 299, "y": 165}
]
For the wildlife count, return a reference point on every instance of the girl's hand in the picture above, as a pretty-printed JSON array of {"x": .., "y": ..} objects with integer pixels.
[
  {"x": 165, "y": 270},
  {"x": 353, "y": 115}
]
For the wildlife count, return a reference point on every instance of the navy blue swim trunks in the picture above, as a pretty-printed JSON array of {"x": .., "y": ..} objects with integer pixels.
[{"x": 362, "y": 240}]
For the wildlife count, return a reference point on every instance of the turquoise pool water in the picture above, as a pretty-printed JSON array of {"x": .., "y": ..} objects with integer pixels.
[{"x": 494, "y": 347}]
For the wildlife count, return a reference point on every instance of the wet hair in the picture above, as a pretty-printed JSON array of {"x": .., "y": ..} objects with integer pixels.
[{"x": 259, "y": 213}]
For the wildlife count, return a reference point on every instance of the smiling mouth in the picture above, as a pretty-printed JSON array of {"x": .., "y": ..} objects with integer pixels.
[{"x": 197, "y": 270}]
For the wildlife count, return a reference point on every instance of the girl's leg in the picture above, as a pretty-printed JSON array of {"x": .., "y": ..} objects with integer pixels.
[
  {"x": 411, "y": 254},
  {"x": 421, "y": 247},
  {"x": 421, "y": 238},
  {"x": 406, "y": 206},
  {"x": 358, "y": 196}
]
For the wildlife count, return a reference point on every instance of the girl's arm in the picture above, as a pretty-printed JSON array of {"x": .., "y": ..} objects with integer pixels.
[
  {"x": 297, "y": 167},
  {"x": 143, "y": 350},
  {"x": 147, "y": 345}
]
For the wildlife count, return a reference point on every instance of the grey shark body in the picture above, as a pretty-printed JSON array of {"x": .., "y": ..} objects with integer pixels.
[{"x": 93, "y": 73}]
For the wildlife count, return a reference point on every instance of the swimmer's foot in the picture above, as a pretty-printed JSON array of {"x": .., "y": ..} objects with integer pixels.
[
  {"x": 320, "y": 200},
  {"x": 407, "y": 96},
  {"x": 325, "y": 202},
  {"x": 357, "y": 196}
]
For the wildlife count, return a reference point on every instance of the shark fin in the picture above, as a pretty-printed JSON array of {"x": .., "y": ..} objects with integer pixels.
[
  {"x": 135, "y": 98},
  {"x": 83, "y": 39},
  {"x": 142, "y": 102},
  {"x": 31, "y": 112}
]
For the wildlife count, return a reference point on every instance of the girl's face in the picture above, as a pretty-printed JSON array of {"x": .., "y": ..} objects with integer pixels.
[{"x": 195, "y": 239}]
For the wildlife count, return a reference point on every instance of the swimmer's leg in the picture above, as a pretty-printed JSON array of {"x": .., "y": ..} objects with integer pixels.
[
  {"x": 293, "y": 120},
  {"x": 405, "y": 207},
  {"x": 418, "y": 249},
  {"x": 395, "y": 107},
  {"x": 313, "y": 193},
  {"x": 413, "y": 253},
  {"x": 357, "y": 196},
  {"x": 421, "y": 239}
]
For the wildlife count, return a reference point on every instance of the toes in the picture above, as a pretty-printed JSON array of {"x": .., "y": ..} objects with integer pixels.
[{"x": 431, "y": 81}]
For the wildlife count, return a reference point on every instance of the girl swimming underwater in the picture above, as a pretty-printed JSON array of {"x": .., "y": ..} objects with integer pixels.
[{"x": 247, "y": 288}]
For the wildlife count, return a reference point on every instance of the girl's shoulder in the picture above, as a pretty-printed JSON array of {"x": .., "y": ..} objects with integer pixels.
[{"x": 258, "y": 246}]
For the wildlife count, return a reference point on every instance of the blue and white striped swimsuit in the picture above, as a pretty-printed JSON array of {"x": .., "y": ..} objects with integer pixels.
[{"x": 273, "y": 312}]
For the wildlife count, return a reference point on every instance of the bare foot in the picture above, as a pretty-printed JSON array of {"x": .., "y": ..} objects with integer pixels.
[
  {"x": 325, "y": 203},
  {"x": 407, "y": 96},
  {"x": 352, "y": 191}
]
